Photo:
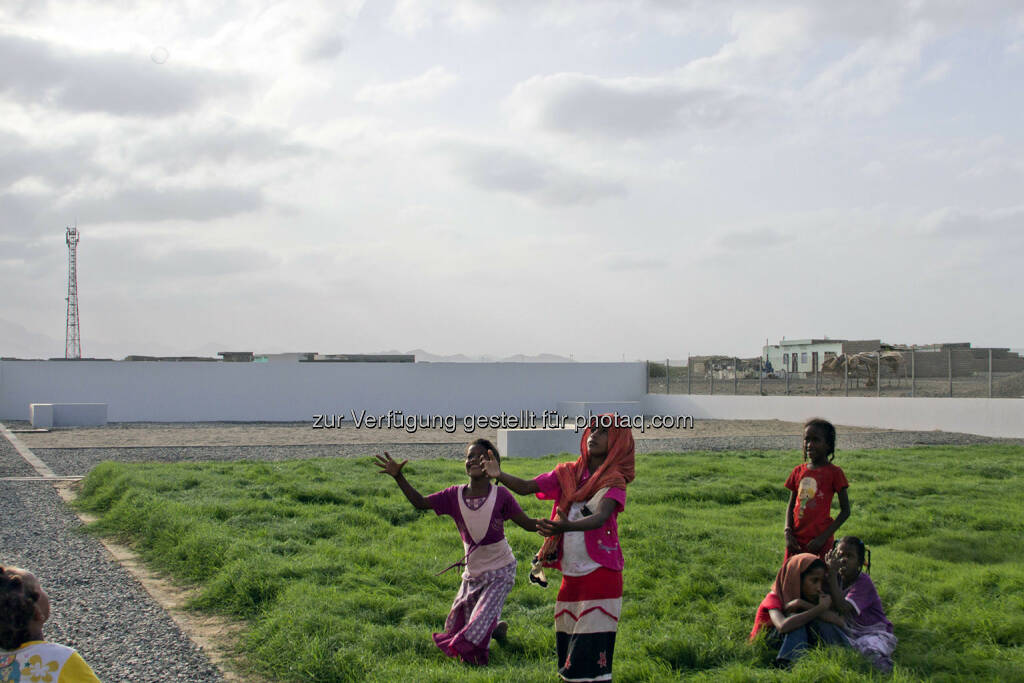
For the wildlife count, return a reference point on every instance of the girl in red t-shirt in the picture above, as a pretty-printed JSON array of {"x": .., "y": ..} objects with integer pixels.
[{"x": 809, "y": 524}]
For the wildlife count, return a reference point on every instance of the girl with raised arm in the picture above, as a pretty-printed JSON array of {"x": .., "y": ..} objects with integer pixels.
[
  {"x": 479, "y": 510},
  {"x": 583, "y": 543}
]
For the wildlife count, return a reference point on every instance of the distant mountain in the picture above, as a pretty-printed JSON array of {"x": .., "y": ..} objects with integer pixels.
[
  {"x": 18, "y": 342},
  {"x": 423, "y": 356}
]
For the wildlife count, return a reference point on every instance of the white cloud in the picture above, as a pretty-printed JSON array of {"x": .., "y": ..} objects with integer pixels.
[
  {"x": 578, "y": 104},
  {"x": 413, "y": 16},
  {"x": 497, "y": 168},
  {"x": 953, "y": 222},
  {"x": 37, "y": 73},
  {"x": 430, "y": 83}
]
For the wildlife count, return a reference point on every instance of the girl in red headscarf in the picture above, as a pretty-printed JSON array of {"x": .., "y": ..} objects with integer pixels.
[
  {"x": 583, "y": 543},
  {"x": 798, "y": 611}
]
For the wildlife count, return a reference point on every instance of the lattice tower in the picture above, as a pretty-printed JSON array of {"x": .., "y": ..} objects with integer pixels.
[{"x": 72, "y": 338}]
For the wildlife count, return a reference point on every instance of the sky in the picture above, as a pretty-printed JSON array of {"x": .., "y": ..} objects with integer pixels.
[{"x": 604, "y": 180}]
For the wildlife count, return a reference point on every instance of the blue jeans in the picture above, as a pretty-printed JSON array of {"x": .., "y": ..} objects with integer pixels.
[{"x": 794, "y": 644}]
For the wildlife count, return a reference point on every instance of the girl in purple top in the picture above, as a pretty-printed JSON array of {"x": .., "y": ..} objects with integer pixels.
[
  {"x": 479, "y": 510},
  {"x": 855, "y": 595}
]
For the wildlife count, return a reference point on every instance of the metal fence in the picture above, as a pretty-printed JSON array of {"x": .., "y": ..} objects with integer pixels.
[{"x": 959, "y": 372}]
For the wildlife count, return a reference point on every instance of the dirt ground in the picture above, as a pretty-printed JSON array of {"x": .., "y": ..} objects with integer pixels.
[{"x": 303, "y": 434}]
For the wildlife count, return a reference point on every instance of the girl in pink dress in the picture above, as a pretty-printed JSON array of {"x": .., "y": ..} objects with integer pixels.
[{"x": 479, "y": 510}]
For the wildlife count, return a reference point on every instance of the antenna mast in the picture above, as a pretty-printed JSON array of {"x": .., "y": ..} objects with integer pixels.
[{"x": 72, "y": 340}]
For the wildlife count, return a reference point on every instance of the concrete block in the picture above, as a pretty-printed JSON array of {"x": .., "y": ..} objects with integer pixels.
[
  {"x": 68, "y": 414},
  {"x": 536, "y": 443},
  {"x": 41, "y": 415},
  {"x": 585, "y": 408}
]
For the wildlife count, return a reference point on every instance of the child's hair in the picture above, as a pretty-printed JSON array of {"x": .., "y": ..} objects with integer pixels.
[
  {"x": 817, "y": 564},
  {"x": 829, "y": 430},
  {"x": 862, "y": 550},
  {"x": 487, "y": 446},
  {"x": 17, "y": 607}
]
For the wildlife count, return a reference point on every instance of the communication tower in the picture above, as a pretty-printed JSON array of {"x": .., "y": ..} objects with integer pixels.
[{"x": 72, "y": 340}]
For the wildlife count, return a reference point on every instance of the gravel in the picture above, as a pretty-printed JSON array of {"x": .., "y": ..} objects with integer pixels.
[
  {"x": 78, "y": 461},
  {"x": 12, "y": 464},
  {"x": 97, "y": 607}
]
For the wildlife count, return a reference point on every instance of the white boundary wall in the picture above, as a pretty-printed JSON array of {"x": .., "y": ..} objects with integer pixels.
[
  {"x": 998, "y": 417},
  {"x": 143, "y": 391}
]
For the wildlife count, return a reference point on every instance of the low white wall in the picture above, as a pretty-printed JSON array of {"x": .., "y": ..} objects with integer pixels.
[
  {"x": 248, "y": 392},
  {"x": 998, "y": 417},
  {"x": 67, "y": 414}
]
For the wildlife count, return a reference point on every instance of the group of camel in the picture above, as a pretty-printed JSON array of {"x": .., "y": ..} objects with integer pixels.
[{"x": 864, "y": 364}]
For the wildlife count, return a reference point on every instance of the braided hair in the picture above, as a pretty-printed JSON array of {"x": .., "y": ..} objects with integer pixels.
[
  {"x": 17, "y": 607},
  {"x": 862, "y": 550},
  {"x": 828, "y": 430}
]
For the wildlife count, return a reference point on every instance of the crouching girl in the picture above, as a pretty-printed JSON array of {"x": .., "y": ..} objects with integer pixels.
[{"x": 796, "y": 611}]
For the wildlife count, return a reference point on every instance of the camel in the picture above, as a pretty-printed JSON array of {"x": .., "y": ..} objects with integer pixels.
[{"x": 864, "y": 364}]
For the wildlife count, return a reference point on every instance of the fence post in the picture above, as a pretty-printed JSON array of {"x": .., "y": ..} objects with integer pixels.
[
  {"x": 689, "y": 376},
  {"x": 735, "y": 376},
  {"x": 913, "y": 373},
  {"x": 949, "y": 366},
  {"x": 647, "y": 364},
  {"x": 787, "y": 381},
  {"x": 712, "y": 378},
  {"x": 846, "y": 372},
  {"x": 668, "y": 379},
  {"x": 878, "y": 374},
  {"x": 760, "y": 376},
  {"x": 990, "y": 373}
]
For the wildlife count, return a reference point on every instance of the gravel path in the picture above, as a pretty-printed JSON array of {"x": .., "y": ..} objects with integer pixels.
[
  {"x": 78, "y": 461},
  {"x": 97, "y": 606},
  {"x": 12, "y": 464}
]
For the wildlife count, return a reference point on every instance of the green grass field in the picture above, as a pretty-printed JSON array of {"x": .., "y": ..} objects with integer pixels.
[{"x": 334, "y": 571}]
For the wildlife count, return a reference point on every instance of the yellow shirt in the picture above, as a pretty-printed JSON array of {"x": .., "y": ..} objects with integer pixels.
[{"x": 40, "y": 662}]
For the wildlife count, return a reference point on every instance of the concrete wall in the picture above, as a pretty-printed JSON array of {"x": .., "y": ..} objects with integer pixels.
[
  {"x": 999, "y": 417},
  {"x": 247, "y": 392}
]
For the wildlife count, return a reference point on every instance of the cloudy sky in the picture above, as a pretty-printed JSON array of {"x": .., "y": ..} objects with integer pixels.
[{"x": 607, "y": 179}]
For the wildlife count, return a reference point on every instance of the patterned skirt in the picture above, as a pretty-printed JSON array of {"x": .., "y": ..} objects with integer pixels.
[
  {"x": 586, "y": 618},
  {"x": 875, "y": 643},
  {"x": 474, "y": 614}
]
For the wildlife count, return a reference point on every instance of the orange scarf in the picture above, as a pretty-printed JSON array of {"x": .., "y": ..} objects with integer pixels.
[
  {"x": 617, "y": 470},
  {"x": 787, "y": 582}
]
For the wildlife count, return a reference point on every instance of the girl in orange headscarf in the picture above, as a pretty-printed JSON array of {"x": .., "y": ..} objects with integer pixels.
[
  {"x": 583, "y": 543},
  {"x": 798, "y": 611}
]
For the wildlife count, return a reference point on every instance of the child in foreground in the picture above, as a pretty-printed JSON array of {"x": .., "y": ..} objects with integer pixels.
[
  {"x": 796, "y": 611},
  {"x": 809, "y": 524},
  {"x": 479, "y": 510},
  {"x": 583, "y": 543},
  {"x": 870, "y": 632},
  {"x": 24, "y": 655}
]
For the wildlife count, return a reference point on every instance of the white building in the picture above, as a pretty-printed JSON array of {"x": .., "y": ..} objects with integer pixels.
[{"x": 807, "y": 355}]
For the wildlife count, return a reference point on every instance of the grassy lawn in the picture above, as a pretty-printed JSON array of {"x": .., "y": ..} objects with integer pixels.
[{"x": 334, "y": 570}]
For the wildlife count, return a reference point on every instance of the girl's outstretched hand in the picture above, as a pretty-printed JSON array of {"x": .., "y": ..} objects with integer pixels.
[
  {"x": 388, "y": 465},
  {"x": 491, "y": 465},
  {"x": 550, "y": 527}
]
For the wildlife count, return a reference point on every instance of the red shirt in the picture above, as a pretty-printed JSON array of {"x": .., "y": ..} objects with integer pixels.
[
  {"x": 814, "y": 490},
  {"x": 763, "y": 617}
]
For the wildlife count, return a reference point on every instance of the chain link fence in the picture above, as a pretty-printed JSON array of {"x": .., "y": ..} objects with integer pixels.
[{"x": 950, "y": 372}]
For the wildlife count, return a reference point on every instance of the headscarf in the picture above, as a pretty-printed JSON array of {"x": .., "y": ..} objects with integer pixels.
[
  {"x": 617, "y": 470},
  {"x": 787, "y": 582}
]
